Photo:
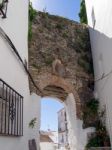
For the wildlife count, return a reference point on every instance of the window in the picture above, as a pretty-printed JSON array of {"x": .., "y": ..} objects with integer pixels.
[
  {"x": 3, "y": 8},
  {"x": 93, "y": 18},
  {"x": 11, "y": 111}
]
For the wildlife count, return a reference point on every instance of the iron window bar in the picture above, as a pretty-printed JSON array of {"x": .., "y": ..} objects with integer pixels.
[
  {"x": 11, "y": 111},
  {"x": 3, "y": 8}
]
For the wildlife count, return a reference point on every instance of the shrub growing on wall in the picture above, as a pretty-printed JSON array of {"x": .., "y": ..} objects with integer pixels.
[
  {"x": 101, "y": 137},
  {"x": 82, "y": 14},
  {"x": 32, "y": 15}
]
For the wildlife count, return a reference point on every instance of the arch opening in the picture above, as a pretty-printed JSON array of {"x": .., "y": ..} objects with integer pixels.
[
  {"x": 53, "y": 126},
  {"x": 61, "y": 90},
  {"x": 66, "y": 123},
  {"x": 55, "y": 91}
]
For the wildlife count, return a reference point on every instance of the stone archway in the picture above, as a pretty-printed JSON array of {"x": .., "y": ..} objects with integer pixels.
[
  {"x": 52, "y": 85},
  {"x": 60, "y": 55},
  {"x": 60, "y": 61},
  {"x": 74, "y": 123},
  {"x": 69, "y": 102}
]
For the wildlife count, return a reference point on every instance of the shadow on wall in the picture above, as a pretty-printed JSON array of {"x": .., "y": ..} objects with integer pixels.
[
  {"x": 76, "y": 134},
  {"x": 101, "y": 49},
  {"x": 102, "y": 57},
  {"x": 101, "y": 46}
]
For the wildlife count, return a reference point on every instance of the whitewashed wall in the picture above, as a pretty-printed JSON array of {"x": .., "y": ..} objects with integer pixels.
[
  {"x": 47, "y": 146},
  {"x": 62, "y": 128},
  {"x": 101, "y": 43},
  {"x": 12, "y": 72},
  {"x": 77, "y": 136},
  {"x": 54, "y": 136},
  {"x": 34, "y": 112}
]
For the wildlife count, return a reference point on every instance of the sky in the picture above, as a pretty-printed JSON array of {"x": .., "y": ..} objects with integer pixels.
[
  {"x": 49, "y": 117},
  {"x": 66, "y": 8}
]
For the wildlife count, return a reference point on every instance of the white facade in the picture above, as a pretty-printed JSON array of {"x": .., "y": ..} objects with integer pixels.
[
  {"x": 54, "y": 136},
  {"x": 62, "y": 128},
  {"x": 99, "y": 15},
  {"x": 47, "y": 146},
  {"x": 77, "y": 136},
  {"x": 48, "y": 140},
  {"x": 13, "y": 73}
]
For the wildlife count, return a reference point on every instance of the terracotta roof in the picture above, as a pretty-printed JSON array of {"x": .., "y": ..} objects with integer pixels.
[{"x": 45, "y": 138}]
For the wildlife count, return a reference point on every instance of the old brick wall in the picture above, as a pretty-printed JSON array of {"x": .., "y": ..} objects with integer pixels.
[{"x": 65, "y": 44}]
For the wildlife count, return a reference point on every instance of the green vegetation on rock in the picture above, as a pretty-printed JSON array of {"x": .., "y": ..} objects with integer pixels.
[
  {"x": 82, "y": 14},
  {"x": 32, "y": 15}
]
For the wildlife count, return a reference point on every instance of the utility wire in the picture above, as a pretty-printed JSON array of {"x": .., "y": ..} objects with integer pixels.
[
  {"x": 6, "y": 37},
  {"x": 104, "y": 76}
]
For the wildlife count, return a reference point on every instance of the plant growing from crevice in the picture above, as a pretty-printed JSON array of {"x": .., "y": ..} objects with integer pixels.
[
  {"x": 32, "y": 15},
  {"x": 101, "y": 137},
  {"x": 90, "y": 112},
  {"x": 93, "y": 105},
  {"x": 86, "y": 65},
  {"x": 60, "y": 26},
  {"x": 65, "y": 35},
  {"x": 82, "y": 40},
  {"x": 32, "y": 123},
  {"x": 34, "y": 65},
  {"x": 83, "y": 48},
  {"x": 45, "y": 15},
  {"x": 48, "y": 61},
  {"x": 45, "y": 19}
]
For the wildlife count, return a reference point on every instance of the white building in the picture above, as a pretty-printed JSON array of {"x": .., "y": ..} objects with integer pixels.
[
  {"x": 54, "y": 137},
  {"x": 99, "y": 13},
  {"x": 17, "y": 106},
  {"x": 48, "y": 140},
  {"x": 62, "y": 129}
]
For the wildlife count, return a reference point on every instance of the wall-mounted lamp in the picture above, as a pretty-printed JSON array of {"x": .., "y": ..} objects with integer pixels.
[{"x": 3, "y": 8}]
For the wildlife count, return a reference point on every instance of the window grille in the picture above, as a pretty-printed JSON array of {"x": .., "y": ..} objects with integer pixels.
[{"x": 11, "y": 111}]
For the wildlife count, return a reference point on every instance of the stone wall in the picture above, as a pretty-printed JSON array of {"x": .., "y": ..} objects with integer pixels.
[{"x": 60, "y": 55}]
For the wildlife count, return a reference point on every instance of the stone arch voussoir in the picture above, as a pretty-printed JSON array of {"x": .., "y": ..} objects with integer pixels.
[{"x": 52, "y": 80}]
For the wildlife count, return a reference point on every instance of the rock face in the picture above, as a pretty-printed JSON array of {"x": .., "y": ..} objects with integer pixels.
[{"x": 60, "y": 56}]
